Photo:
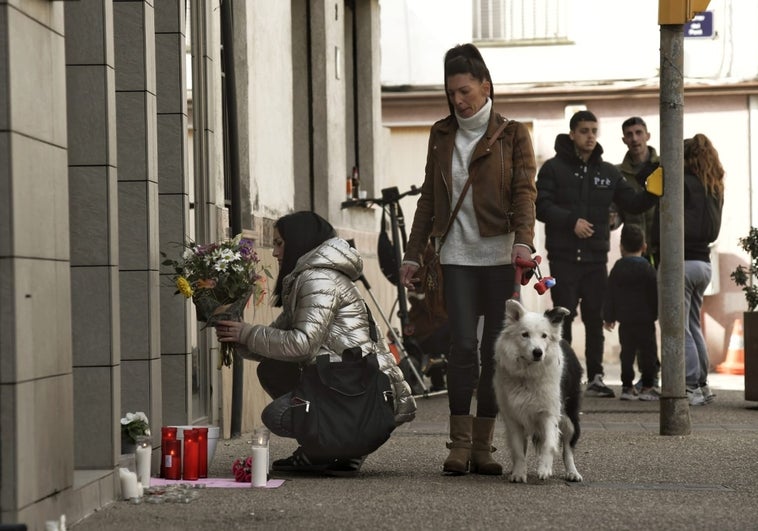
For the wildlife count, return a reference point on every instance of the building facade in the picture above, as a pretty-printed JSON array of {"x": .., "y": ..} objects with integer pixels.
[{"x": 120, "y": 124}]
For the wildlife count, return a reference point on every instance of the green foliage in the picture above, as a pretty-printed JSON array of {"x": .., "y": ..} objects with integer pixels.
[{"x": 743, "y": 276}]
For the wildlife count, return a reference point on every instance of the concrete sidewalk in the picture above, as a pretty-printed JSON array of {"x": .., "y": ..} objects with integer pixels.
[{"x": 634, "y": 479}]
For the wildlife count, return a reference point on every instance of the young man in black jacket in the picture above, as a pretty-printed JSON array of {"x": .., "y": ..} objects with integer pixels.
[
  {"x": 575, "y": 190},
  {"x": 632, "y": 301}
]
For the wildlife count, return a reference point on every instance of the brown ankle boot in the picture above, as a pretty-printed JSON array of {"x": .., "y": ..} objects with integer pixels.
[
  {"x": 482, "y": 449},
  {"x": 460, "y": 445}
]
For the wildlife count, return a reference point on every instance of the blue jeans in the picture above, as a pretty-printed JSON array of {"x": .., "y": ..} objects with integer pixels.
[
  {"x": 278, "y": 379},
  {"x": 470, "y": 292},
  {"x": 697, "y": 276}
]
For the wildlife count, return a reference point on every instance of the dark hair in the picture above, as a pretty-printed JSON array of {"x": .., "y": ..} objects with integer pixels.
[
  {"x": 302, "y": 232},
  {"x": 632, "y": 238},
  {"x": 581, "y": 116},
  {"x": 634, "y": 120},
  {"x": 466, "y": 59}
]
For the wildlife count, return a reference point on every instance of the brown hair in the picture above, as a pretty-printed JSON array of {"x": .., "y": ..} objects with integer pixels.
[{"x": 702, "y": 159}]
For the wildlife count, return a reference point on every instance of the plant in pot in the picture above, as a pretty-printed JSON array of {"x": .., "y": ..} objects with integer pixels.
[{"x": 743, "y": 277}]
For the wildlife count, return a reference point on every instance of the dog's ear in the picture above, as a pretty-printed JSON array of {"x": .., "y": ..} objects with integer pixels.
[
  {"x": 513, "y": 310},
  {"x": 557, "y": 314}
]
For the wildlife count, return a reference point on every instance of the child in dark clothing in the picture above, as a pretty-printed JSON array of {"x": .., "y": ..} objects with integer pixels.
[{"x": 632, "y": 300}]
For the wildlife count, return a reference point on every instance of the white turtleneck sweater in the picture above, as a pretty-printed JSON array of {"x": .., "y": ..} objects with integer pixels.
[{"x": 463, "y": 244}]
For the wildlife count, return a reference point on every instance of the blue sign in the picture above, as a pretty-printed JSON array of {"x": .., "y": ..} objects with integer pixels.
[{"x": 700, "y": 26}]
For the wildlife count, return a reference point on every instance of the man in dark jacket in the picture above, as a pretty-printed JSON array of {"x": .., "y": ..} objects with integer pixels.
[
  {"x": 574, "y": 192},
  {"x": 639, "y": 161}
]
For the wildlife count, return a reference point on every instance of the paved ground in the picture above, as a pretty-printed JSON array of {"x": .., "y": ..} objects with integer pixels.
[{"x": 634, "y": 479}]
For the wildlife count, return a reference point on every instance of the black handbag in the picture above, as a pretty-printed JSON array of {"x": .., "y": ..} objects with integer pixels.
[{"x": 343, "y": 409}]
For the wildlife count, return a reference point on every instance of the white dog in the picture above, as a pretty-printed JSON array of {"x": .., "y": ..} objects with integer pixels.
[{"x": 538, "y": 387}]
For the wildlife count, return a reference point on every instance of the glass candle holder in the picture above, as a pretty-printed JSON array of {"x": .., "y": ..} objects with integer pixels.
[
  {"x": 172, "y": 460},
  {"x": 144, "y": 456},
  {"x": 202, "y": 452},
  {"x": 168, "y": 433},
  {"x": 261, "y": 437},
  {"x": 189, "y": 471}
]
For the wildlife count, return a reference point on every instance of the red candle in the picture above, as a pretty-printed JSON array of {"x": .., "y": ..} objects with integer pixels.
[
  {"x": 190, "y": 455},
  {"x": 168, "y": 433},
  {"x": 202, "y": 452},
  {"x": 171, "y": 464}
]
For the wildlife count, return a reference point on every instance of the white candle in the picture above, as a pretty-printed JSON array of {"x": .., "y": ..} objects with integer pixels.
[
  {"x": 262, "y": 436},
  {"x": 144, "y": 455},
  {"x": 260, "y": 466},
  {"x": 129, "y": 487}
]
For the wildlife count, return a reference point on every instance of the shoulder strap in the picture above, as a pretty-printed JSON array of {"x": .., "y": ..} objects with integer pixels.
[
  {"x": 467, "y": 184},
  {"x": 371, "y": 324}
]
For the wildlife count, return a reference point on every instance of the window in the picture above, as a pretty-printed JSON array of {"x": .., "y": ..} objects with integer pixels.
[{"x": 520, "y": 22}]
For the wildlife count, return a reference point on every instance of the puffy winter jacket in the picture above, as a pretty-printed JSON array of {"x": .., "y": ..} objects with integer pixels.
[
  {"x": 568, "y": 189},
  {"x": 323, "y": 313}
]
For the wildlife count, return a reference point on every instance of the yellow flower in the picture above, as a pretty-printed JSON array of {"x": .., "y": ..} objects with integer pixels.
[{"x": 184, "y": 287}]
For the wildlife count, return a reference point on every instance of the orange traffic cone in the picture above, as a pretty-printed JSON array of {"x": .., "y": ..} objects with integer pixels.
[{"x": 735, "y": 356}]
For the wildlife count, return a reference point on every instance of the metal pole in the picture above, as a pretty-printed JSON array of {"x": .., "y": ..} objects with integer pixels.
[
  {"x": 674, "y": 407},
  {"x": 235, "y": 210}
]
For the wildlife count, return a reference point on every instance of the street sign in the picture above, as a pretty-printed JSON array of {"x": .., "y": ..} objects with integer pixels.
[{"x": 700, "y": 26}]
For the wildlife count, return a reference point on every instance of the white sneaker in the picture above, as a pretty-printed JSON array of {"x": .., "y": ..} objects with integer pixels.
[
  {"x": 695, "y": 397},
  {"x": 707, "y": 394},
  {"x": 628, "y": 393}
]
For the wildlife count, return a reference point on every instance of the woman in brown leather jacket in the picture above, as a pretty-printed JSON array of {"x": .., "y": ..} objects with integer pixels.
[{"x": 478, "y": 244}]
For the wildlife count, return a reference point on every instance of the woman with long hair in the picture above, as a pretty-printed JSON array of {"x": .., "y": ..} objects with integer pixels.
[
  {"x": 703, "y": 203},
  {"x": 323, "y": 313}
]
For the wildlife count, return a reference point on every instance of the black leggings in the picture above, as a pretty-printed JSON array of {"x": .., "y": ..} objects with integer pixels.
[{"x": 470, "y": 292}]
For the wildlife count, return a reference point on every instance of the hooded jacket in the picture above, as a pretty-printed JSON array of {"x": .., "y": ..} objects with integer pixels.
[
  {"x": 569, "y": 188},
  {"x": 502, "y": 184},
  {"x": 323, "y": 313}
]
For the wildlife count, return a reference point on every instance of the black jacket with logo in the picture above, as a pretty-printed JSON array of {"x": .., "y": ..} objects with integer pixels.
[{"x": 569, "y": 188}]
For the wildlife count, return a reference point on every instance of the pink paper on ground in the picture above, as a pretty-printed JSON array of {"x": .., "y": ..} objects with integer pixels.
[{"x": 223, "y": 483}]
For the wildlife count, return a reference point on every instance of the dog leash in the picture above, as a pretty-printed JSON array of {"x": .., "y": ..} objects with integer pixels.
[{"x": 525, "y": 270}]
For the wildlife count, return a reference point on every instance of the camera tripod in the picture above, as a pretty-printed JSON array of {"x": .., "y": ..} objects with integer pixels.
[{"x": 390, "y": 202}]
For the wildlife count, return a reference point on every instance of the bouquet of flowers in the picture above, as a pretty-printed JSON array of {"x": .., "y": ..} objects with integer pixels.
[
  {"x": 220, "y": 278},
  {"x": 135, "y": 425}
]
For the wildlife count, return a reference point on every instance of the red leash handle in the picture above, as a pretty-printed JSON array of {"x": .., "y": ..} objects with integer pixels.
[{"x": 525, "y": 270}]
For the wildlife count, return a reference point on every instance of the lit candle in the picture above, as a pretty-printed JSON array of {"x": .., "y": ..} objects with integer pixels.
[
  {"x": 168, "y": 433},
  {"x": 189, "y": 472},
  {"x": 202, "y": 452},
  {"x": 260, "y": 465},
  {"x": 172, "y": 461},
  {"x": 262, "y": 436},
  {"x": 144, "y": 454}
]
